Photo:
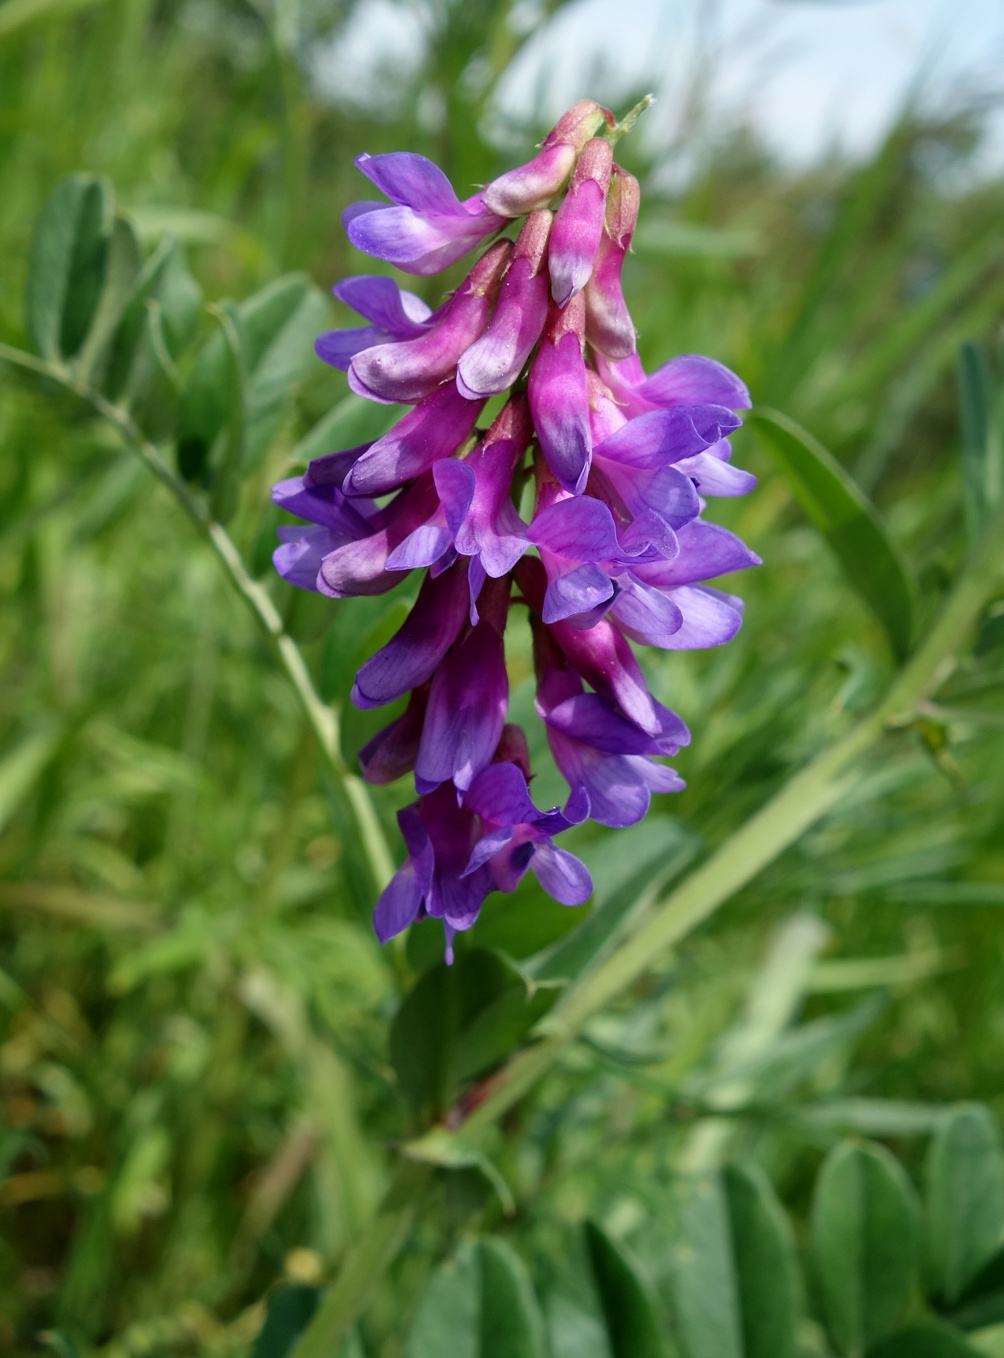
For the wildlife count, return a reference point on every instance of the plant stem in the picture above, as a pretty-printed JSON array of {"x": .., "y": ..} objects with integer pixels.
[
  {"x": 771, "y": 830},
  {"x": 322, "y": 718}
]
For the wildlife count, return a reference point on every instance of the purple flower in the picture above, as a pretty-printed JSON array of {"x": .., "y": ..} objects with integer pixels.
[
  {"x": 533, "y": 185},
  {"x": 409, "y": 369},
  {"x": 427, "y": 227},
  {"x": 393, "y": 315},
  {"x": 493, "y": 362},
  {"x": 559, "y": 397},
  {"x": 609, "y": 328},
  {"x": 616, "y": 551},
  {"x": 458, "y": 854},
  {"x": 597, "y": 748},
  {"x": 578, "y": 226}
]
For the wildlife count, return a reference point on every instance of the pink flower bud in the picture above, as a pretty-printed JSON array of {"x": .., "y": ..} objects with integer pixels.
[
  {"x": 493, "y": 362},
  {"x": 559, "y": 400},
  {"x": 609, "y": 327},
  {"x": 575, "y": 236},
  {"x": 534, "y": 185},
  {"x": 411, "y": 369}
]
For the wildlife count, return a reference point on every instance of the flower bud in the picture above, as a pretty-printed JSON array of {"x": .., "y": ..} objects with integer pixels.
[
  {"x": 559, "y": 400},
  {"x": 534, "y": 185},
  {"x": 609, "y": 327},
  {"x": 493, "y": 362},
  {"x": 411, "y": 369},
  {"x": 578, "y": 226}
]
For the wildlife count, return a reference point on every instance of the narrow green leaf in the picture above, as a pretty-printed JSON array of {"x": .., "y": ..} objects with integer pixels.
[
  {"x": 702, "y": 1276},
  {"x": 21, "y": 768},
  {"x": 626, "y": 1301},
  {"x": 290, "y": 1310},
  {"x": 124, "y": 265},
  {"x": 66, "y": 269},
  {"x": 924, "y": 1341},
  {"x": 864, "y": 1234},
  {"x": 229, "y": 451},
  {"x": 763, "y": 1253},
  {"x": 982, "y": 467},
  {"x": 965, "y": 1199},
  {"x": 154, "y": 389},
  {"x": 838, "y": 508},
  {"x": 511, "y": 1323},
  {"x": 128, "y": 332}
]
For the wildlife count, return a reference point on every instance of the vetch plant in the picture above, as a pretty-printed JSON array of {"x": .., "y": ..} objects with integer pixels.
[{"x": 616, "y": 548}]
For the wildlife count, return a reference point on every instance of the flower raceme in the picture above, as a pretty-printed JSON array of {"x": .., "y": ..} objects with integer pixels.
[{"x": 616, "y": 550}]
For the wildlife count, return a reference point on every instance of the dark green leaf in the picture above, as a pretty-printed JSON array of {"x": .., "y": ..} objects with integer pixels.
[
  {"x": 982, "y": 1303},
  {"x": 66, "y": 271},
  {"x": 511, "y": 1324},
  {"x": 153, "y": 391},
  {"x": 290, "y": 1310},
  {"x": 162, "y": 274},
  {"x": 965, "y": 1199},
  {"x": 626, "y": 1301},
  {"x": 846, "y": 518},
  {"x": 702, "y": 1276},
  {"x": 924, "y": 1341},
  {"x": 766, "y": 1269},
  {"x": 982, "y": 468},
  {"x": 124, "y": 265},
  {"x": 864, "y": 1243}
]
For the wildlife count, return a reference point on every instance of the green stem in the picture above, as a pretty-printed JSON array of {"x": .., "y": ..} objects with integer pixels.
[
  {"x": 767, "y": 834},
  {"x": 323, "y": 719}
]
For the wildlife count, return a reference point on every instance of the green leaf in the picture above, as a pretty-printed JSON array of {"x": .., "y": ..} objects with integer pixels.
[
  {"x": 456, "y": 1021},
  {"x": 965, "y": 1199},
  {"x": 838, "y": 508},
  {"x": 153, "y": 391},
  {"x": 66, "y": 271},
  {"x": 625, "y": 1298},
  {"x": 124, "y": 265},
  {"x": 765, "y": 1264},
  {"x": 448, "y": 1151},
  {"x": 511, "y": 1323},
  {"x": 276, "y": 329},
  {"x": 21, "y": 768},
  {"x": 290, "y": 1310},
  {"x": 447, "y": 1318},
  {"x": 864, "y": 1236},
  {"x": 702, "y": 1276},
  {"x": 152, "y": 282},
  {"x": 924, "y": 1341},
  {"x": 982, "y": 467},
  {"x": 982, "y": 1303}
]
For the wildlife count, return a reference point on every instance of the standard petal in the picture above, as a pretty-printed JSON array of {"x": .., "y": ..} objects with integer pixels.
[
  {"x": 416, "y": 650},
  {"x": 499, "y": 796},
  {"x": 710, "y": 618},
  {"x": 338, "y": 348},
  {"x": 579, "y": 529},
  {"x": 645, "y": 614},
  {"x": 434, "y": 429},
  {"x": 706, "y": 551},
  {"x": 587, "y": 718},
  {"x": 715, "y": 477},
  {"x": 398, "y": 904},
  {"x": 466, "y": 712},
  {"x": 385, "y": 305},
  {"x": 412, "y": 180}
]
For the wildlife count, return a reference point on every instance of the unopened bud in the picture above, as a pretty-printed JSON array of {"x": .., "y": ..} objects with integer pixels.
[
  {"x": 578, "y": 226},
  {"x": 609, "y": 327},
  {"x": 534, "y": 184}
]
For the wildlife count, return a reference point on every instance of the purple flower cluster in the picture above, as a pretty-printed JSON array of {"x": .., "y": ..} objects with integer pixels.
[{"x": 616, "y": 549}]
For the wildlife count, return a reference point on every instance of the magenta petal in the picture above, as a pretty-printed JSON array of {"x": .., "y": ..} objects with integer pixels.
[
  {"x": 580, "y": 529},
  {"x": 492, "y": 363},
  {"x": 415, "y": 651},
  {"x": 562, "y": 875},
  {"x": 466, "y": 712},
  {"x": 455, "y": 483},
  {"x": 434, "y": 429},
  {"x": 692, "y": 380},
  {"x": 560, "y": 406},
  {"x": 579, "y": 591},
  {"x": 658, "y": 437}
]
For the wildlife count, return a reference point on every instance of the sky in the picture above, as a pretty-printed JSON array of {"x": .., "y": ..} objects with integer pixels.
[{"x": 809, "y": 75}]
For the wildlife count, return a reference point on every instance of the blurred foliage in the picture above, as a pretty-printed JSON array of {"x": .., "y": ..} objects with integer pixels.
[{"x": 199, "y": 1091}]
